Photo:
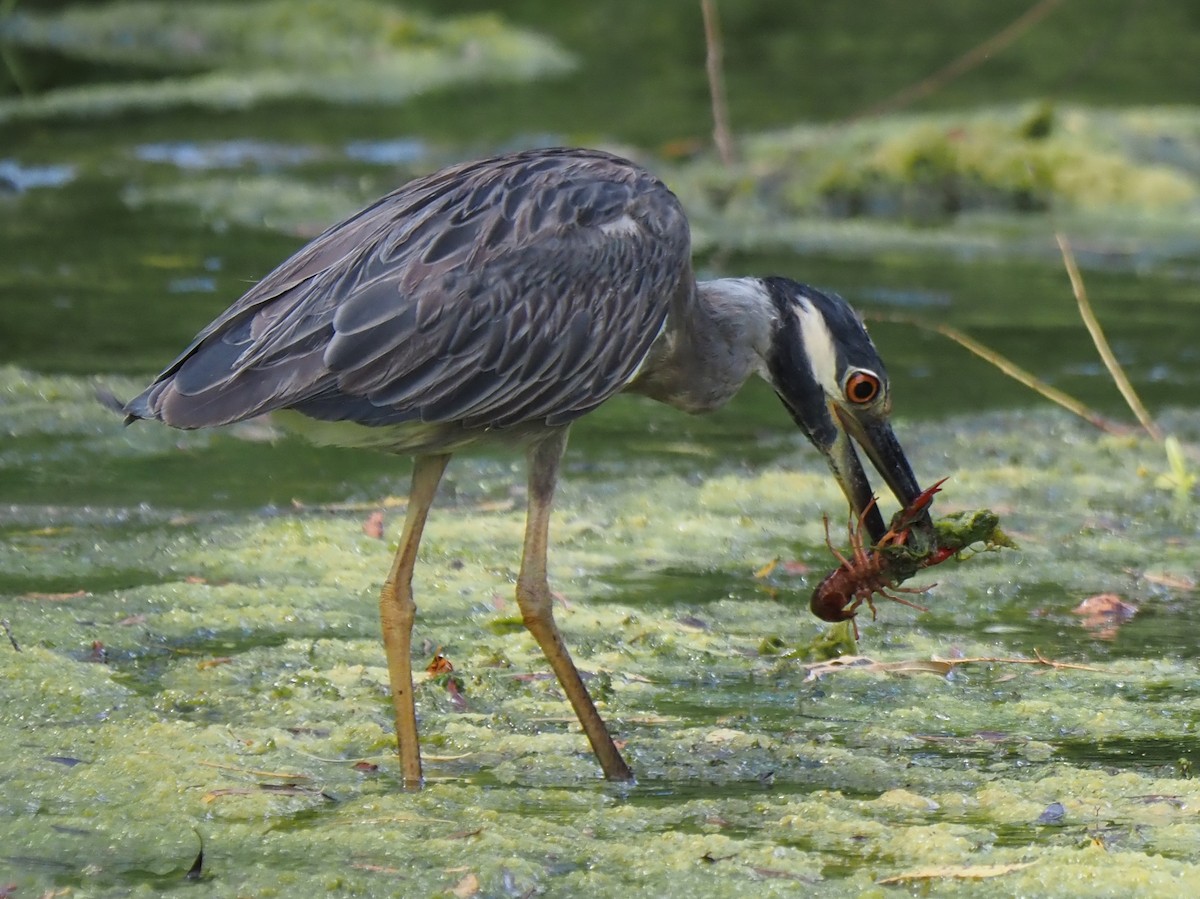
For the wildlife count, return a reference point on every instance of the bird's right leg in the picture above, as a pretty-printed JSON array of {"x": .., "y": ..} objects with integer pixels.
[
  {"x": 397, "y": 610},
  {"x": 534, "y": 598}
]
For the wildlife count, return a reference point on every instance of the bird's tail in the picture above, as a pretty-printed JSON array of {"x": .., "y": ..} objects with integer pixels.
[{"x": 130, "y": 410}]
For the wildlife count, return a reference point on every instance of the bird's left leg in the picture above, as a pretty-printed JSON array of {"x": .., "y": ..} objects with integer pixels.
[
  {"x": 397, "y": 610},
  {"x": 534, "y": 598}
]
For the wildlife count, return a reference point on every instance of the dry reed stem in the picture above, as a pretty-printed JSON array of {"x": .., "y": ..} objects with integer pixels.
[
  {"x": 974, "y": 57},
  {"x": 722, "y": 135},
  {"x": 1102, "y": 347},
  {"x": 1014, "y": 371}
]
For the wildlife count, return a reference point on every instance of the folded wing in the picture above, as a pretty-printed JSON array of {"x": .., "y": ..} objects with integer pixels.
[{"x": 520, "y": 289}]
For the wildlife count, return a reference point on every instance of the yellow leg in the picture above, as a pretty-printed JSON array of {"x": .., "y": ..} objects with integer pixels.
[
  {"x": 397, "y": 610},
  {"x": 533, "y": 596}
]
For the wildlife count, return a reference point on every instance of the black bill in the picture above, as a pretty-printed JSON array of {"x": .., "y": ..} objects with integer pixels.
[{"x": 886, "y": 455}]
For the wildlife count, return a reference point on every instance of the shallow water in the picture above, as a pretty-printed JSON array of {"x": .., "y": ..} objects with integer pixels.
[{"x": 219, "y": 662}]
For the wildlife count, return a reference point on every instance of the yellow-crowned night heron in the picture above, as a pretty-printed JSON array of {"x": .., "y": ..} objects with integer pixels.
[{"x": 501, "y": 300}]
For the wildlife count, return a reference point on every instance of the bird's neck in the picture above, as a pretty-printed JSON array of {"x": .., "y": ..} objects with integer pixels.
[{"x": 717, "y": 334}]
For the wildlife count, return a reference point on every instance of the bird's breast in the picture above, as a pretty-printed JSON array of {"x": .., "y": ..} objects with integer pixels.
[{"x": 406, "y": 438}]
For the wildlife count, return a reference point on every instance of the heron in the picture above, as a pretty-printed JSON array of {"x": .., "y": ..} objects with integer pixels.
[{"x": 500, "y": 300}]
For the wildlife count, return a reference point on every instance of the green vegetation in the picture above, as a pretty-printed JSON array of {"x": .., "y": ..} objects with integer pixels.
[
  {"x": 995, "y": 180},
  {"x": 224, "y": 668},
  {"x": 234, "y": 54},
  {"x": 1127, "y": 184},
  {"x": 928, "y": 170}
]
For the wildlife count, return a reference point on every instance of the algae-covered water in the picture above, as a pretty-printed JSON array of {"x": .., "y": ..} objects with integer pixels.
[
  {"x": 190, "y": 655},
  {"x": 215, "y": 675}
]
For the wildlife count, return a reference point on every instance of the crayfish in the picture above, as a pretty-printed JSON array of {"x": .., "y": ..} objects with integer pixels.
[{"x": 879, "y": 569}]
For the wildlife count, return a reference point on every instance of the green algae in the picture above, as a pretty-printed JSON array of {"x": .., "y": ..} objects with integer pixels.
[
  {"x": 289, "y": 204},
  {"x": 1124, "y": 184},
  {"x": 235, "y": 55},
  {"x": 933, "y": 168},
  {"x": 961, "y": 534},
  {"x": 242, "y": 682},
  {"x": 992, "y": 181}
]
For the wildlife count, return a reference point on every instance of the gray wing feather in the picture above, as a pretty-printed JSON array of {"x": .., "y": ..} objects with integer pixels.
[{"x": 523, "y": 288}]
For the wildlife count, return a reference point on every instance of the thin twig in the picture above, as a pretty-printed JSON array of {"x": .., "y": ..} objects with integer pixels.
[
  {"x": 9, "y": 58},
  {"x": 8, "y": 633},
  {"x": 932, "y": 665},
  {"x": 1102, "y": 347},
  {"x": 1038, "y": 659},
  {"x": 969, "y": 60},
  {"x": 1014, "y": 371},
  {"x": 722, "y": 135},
  {"x": 274, "y": 775}
]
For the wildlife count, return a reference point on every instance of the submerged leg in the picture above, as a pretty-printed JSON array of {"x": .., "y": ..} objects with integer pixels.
[
  {"x": 397, "y": 610},
  {"x": 533, "y": 596}
]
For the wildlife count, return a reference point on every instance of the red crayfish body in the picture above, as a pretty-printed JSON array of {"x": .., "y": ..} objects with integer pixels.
[{"x": 870, "y": 571}]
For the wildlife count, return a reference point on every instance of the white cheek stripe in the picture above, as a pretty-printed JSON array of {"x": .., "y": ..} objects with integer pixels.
[{"x": 819, "y": 347}]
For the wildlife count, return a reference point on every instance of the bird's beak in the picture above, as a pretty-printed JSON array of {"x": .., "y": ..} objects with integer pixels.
[{"x": 884, "y": 450}]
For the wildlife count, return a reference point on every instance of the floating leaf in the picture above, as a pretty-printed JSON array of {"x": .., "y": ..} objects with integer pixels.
[
  {"x": 1054, "y": 813},
  {"x": 468, "y": 886},
  {"x": 53, "y": 597},
  {"x": 1104, "y": 613},
  {"x": 765, "y": 570},
  {"x": 939, "y": 667},
  {"x": 373, "y": 525},
  {"x": 64, "y": 760},
  {"x": 1169, "y": 581},
  {"x": 439, "y": 665}
]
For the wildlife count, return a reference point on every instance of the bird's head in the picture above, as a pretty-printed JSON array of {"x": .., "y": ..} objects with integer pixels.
[{"x": 828, "y": 373}]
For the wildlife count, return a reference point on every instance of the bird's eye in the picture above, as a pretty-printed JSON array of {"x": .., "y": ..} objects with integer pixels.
[{"x": 861, "y": 387}]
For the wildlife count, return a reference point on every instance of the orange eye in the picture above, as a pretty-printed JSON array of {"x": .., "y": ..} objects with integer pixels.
[{"x": 862, "y": 387}]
